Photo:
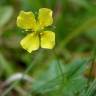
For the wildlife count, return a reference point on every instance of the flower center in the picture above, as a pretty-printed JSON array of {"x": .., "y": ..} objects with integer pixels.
[{"x": 38, "y": 28}]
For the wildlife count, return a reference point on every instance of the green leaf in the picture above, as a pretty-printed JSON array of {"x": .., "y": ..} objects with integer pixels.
[
  {"x": 5, "y": 15},
  {"x": 51, "y": 80},
  {"x": 5, "y": 66}
]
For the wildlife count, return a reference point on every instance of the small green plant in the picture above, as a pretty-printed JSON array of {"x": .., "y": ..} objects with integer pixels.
[{"x": 68, "y": 69}]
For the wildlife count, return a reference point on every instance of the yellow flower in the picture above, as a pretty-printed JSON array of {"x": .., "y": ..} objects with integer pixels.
[{"x": 39, "y": 37}]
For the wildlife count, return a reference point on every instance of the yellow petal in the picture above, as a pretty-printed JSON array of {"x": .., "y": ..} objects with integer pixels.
[
  {"x": 26, "y": 20},
  {"x": 30, "y": 42},
  {"x": 45, "y": 17},
  {"x": 47, "y": 39}
]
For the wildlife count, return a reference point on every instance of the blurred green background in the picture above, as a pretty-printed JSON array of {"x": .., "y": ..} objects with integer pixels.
[{"x": 67, "y": 70}]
